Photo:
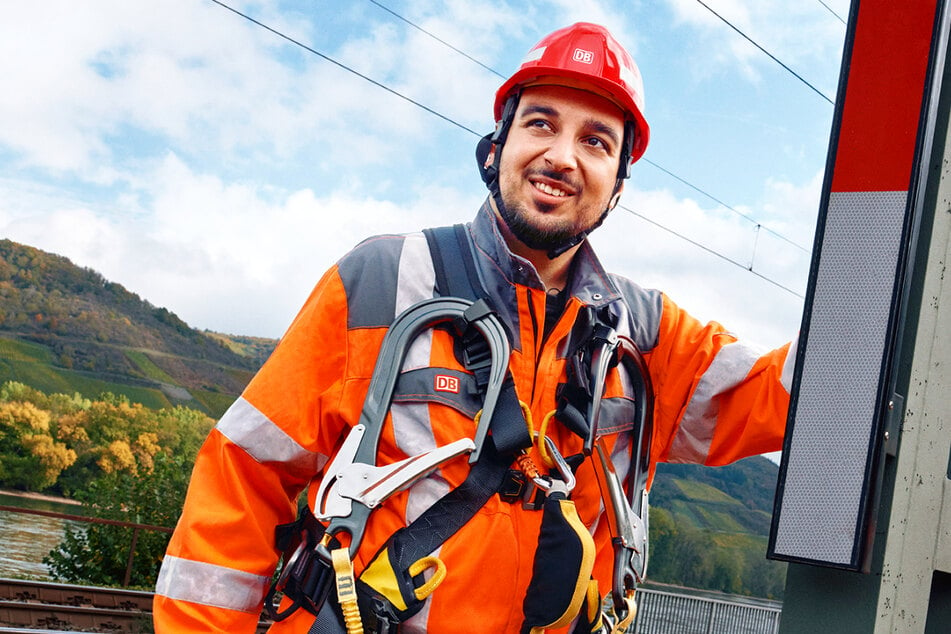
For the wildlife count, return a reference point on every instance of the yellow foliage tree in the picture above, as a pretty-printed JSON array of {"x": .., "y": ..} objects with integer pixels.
[
  {"x": 145, "y": 448},
  {"x": 24, "y": 417},
  {"x": 71, "y": 429},
  {"x": 29, "y": 456},
  {"x": 53, "y": 457},
  {"x": 116, "y": 457}
]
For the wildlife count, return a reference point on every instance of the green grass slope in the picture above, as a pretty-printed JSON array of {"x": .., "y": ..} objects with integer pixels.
[{"x": 64, "y": 328}]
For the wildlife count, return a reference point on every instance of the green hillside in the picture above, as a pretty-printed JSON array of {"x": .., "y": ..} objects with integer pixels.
[
  {"x": 710, "y": 527},
  {"x": 735, "y": 498},
  {"x": 64, "y": 328}
]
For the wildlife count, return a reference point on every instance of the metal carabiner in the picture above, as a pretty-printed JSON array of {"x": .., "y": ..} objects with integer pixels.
[
  {"x": 604, "y": 355},
  {"x": 628, "y": 531},
  {"x": 352, "y": 485},
  {"x": 566, "y": 484},
  {"x": 627, "y": 514}
]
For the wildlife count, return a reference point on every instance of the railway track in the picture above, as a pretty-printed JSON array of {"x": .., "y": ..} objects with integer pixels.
[{"x": 36, "y": 607}]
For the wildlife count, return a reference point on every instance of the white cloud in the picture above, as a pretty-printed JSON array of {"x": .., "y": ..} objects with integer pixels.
[
  {"x": 151, "y": 143},
  {"x": 800, "y": 34},
  {"x": 224, "y": 256},
  {"x": 183, "y": 75}
]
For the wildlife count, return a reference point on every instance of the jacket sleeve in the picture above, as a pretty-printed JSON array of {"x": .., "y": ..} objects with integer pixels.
[
  {"x": 718, "y": 399},
  {"x": 249, "y": 473}
]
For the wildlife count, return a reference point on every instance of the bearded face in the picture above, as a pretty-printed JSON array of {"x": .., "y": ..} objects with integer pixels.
[{"x": 559, "y": 165}]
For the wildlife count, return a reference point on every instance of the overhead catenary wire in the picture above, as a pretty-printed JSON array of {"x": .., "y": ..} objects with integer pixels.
[
  {"x": 347, "y": 68},
  {"x": 438, "y": 39},
  {"x": 726, "y": 258},
  {"x": 748, "y": 268},
  {"x": 759, "y": 225},
  {"x": 829, "y": 9},
  {"x": 770, "y": 55}
]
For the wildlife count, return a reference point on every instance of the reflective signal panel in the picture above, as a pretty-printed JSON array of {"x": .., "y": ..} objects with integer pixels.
[{"x": 843, "y": 389}]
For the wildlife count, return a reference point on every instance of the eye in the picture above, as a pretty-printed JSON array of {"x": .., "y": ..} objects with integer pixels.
[
  {"x": 597, "y": 143},
  {"x": 540, "y": 124}
]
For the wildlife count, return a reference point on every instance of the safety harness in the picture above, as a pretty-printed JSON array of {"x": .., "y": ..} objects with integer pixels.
[{"x": 318, "y": 548}]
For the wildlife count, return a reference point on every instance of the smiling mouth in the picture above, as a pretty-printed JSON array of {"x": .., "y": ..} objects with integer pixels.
[{"x": 548, "y": 189}]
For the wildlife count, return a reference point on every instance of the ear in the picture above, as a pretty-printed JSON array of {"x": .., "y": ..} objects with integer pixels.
[
  {"x": 490, "y": 158},
  {"x": 616, "y": 198}
]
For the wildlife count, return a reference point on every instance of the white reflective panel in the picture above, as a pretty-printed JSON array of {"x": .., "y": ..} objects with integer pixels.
[{"x": 835, "y": 413}]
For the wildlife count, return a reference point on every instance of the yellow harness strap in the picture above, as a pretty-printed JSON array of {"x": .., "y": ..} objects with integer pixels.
[
  {"x": 622, "y": 625},
  {"x": 347, "y": 590}
]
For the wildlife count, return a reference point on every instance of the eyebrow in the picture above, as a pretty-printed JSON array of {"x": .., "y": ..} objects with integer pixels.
[{"x": 594, "y": 124}]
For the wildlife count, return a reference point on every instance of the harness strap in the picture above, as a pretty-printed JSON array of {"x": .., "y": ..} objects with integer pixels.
[
  {"x": 387, "y": 589},
  {"x": 457, "y": 276},
  {"x": 441, "y": 520}
]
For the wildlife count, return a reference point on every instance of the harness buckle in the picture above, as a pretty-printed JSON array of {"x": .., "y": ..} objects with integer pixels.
[{"x": 513, "y": 486}]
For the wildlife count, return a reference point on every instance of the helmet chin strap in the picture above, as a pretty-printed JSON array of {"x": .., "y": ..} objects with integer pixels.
[{"x": 490, "y": 173}]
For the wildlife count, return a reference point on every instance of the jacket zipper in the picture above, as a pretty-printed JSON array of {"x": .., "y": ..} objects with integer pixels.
[{"x": 535, "y": 342}]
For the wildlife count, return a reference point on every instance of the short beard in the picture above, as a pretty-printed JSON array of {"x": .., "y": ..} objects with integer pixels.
[{"x": 537, "y": 238}]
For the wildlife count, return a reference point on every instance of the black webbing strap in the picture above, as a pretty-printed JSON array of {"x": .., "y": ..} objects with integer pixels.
[
  {"x": 441, "y": 520},
  {"x": 456, "y": 275}
]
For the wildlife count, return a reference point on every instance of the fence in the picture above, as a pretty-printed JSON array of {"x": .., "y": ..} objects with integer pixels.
[
  {"x": 663, "y": 612},
  {"x": 97, "y": 520}
]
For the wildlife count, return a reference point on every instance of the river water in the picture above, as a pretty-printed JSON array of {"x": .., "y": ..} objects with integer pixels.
[{"x": 25, "y": 539}]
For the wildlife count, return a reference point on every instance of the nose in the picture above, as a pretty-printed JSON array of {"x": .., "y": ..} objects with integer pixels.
[{"x": 560, "y": 153}]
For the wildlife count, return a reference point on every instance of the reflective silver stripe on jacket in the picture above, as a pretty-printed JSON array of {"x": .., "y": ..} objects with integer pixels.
[
  {"x": 208, "y": 584},
  {"x": 245, "y": 425},
  {"x": 695, "y": 432},
  {"x": 789, "y": 365},
  {"x": 417, "y": 278},
  {"x": 412, "y": 427}
]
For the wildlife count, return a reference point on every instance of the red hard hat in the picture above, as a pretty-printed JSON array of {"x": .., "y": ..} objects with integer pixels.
[{"x": 587, "y": 53}]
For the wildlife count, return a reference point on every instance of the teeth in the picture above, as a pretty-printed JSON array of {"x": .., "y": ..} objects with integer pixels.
[{"x": 551, "y": 191}]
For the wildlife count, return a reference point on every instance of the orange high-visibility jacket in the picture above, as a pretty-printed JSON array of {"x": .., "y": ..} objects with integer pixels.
[{"x": 717, "y": 400}]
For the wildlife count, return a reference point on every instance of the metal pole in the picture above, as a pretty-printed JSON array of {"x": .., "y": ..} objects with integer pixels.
[
  {"x": 710, "y": 619},
  {"x": 128, "y": 565}
]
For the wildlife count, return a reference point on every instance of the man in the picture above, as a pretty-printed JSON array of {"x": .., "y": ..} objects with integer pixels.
[{"x": 569, "y": 124}]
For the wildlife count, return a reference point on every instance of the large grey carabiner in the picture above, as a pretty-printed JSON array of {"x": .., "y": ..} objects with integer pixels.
[
  {"x": 627, "y": 514},
  {"x": 361, "y": 446}
]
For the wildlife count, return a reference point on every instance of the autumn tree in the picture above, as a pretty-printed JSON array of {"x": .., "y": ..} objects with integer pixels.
[
  {"x": 97, "y": 553},
  {"x": 30, "y": 458}
]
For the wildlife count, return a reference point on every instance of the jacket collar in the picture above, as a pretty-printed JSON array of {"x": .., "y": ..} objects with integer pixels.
[{"x": 502, "y": 270}]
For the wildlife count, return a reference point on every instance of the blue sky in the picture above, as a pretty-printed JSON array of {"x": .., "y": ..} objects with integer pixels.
[{"x": 217, "y": 169}]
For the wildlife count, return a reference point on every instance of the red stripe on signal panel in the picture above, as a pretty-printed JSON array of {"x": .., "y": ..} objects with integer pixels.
[{"x": 886, "y": 83}]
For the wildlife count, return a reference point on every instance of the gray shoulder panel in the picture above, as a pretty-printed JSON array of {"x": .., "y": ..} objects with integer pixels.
[
  {"x": 370, "y": 274},
  {"x": 644, "y": 309}
]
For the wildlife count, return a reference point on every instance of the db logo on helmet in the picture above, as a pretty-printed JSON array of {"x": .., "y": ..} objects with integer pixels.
[{"x": 583, "y": 56}]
